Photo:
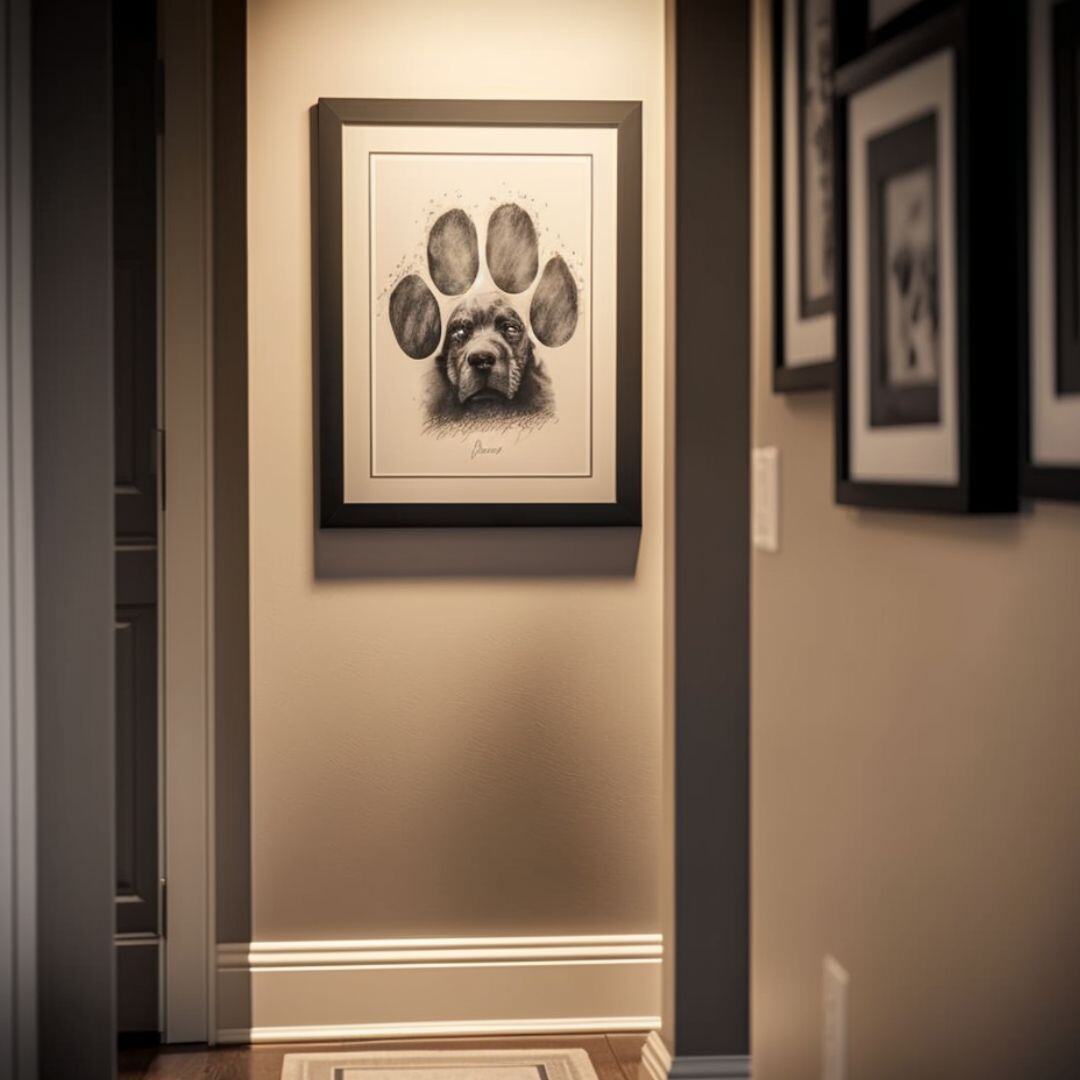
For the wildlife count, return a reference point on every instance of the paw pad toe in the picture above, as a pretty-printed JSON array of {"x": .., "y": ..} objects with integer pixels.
[
  {"x": 414, "y": 316},
  {"x": 554, "y": 309},
  {"x": 512, "y": 250},
  {"x": 453, "y": 254}
]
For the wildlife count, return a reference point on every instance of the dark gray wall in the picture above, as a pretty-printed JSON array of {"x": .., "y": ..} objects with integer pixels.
[
  {"x": 712, "y": 558},
  {"x": 73, "y": 451},
  {"x": 232, "y": 672}
]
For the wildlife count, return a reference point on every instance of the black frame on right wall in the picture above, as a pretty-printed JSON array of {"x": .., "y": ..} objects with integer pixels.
[
  {"x": 857, "y": 32},
  {"x": 1066, "y": 43},
  {"x": 801, "y": 361},
  {"x": 987, "y": 139},
  {"x": 1051, "y": 387}
]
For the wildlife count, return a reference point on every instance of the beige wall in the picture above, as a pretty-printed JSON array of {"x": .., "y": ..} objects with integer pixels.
[
  {"x": 916, "y": 735},
  {"x": 438, "y": 747}
]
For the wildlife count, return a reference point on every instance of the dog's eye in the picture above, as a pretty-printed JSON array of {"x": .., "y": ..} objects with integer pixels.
[
  {"x": 458, "y": 334},
  {"x": 511, "y": 330}
]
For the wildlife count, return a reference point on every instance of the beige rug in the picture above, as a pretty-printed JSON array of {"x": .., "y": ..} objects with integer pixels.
[{"x": 441, "y": 1065}]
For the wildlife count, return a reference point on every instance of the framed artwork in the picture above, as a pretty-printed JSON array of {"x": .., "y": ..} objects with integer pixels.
[
  {"x": 805, "y": 261},
  {"x": 926, "y": 416},
  {"x": 1052, "y": 458},
  {"x": 479, "y": 312},
  {"x": 865, "y": 24}
]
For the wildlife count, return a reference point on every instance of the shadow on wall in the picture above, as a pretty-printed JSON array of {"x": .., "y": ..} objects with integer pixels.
[
  {"x": 524, "y": 814},
  {"x": 545, "y": 827},
  {"x": 423, "y": 553}
]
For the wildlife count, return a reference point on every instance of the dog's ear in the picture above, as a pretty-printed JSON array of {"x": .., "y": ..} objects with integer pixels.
[{"x": 443, "y": 355}]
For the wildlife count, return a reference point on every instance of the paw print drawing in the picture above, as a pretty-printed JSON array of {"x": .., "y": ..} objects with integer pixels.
[{"x": 486, "y": 372}]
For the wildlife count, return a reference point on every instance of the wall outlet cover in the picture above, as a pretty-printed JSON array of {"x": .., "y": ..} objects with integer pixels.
[{"x": 837, "y": 983}]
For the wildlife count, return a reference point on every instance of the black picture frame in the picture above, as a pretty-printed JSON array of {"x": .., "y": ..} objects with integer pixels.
[
  {"x": 988, "y": 264},
  {"x": 331, "y": 115},
  {"x": 1054, "y": 60},
  {"x": 815, "y": 374},
  {"x": 1066, "y": 43},
  {"x": 856, "y": 34}
]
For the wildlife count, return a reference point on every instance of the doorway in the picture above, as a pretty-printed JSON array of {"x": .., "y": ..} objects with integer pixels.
[
  {"x": 77, "y": 541},
  {"x": 138, "y": 494}
]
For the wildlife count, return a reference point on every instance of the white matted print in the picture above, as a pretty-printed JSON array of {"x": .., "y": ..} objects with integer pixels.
[
  {"x": 919, "y": 442},
  {"x": 809, "y": 323},
  {"x": 1055, "y": 417},
  {"x": 479, "y": 328}
]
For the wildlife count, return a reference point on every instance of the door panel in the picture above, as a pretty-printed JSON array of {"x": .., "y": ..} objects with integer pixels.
[
  {"x": 136, "y": 986},
  {"x": 135, "y": 498},
  {"x": 136, "y": 742},
  {"x": 135, "y": 269},
  {"x": 135, "y": 405}
]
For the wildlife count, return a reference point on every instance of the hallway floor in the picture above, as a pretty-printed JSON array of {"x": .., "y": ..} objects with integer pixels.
[{"x": 614, "y": 1057}]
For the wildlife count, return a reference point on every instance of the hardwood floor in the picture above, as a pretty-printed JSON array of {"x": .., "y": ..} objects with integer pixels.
[
  {"x": 614, "y": 1057},
  {"x": 627, "y": 1050}
]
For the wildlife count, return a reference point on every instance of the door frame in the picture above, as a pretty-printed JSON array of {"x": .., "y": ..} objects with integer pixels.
[
  {"x": 707, "y": 1022},
  {"x": 187, "y": 598},
  {"x": 70, "y": 224}
]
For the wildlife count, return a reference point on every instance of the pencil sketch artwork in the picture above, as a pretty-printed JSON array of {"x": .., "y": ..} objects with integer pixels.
[
  {"x": 483, "y": 321},
  {"x": 816, "y": 150},
  {"x": 478, "y": 297}
]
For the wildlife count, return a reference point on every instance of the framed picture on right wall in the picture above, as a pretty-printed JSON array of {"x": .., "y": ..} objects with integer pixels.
[
  {"x": 805, "y": 323},
  {"x": 1052, "y": 459},
  {"x": 862, "y": 25},
  {"x": 883, "y": 11},
  {"x": 928, "y": 282}
]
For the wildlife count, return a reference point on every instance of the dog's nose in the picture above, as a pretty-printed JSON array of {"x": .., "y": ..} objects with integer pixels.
[{"x": 484, "y": 361}]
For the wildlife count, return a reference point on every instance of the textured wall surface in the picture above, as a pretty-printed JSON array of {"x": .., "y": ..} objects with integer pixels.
[
  {"x": 451, "y": 733},
  {"x": 916, "y": 734}
]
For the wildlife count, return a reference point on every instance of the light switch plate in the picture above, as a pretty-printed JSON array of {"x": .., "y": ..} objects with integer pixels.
[{"x": 765, "y": 464}]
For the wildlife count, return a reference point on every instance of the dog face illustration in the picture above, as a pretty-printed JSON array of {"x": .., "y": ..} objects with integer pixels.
[
  {"x": 488, "y": 359},
  {"x": 486, "y": 371}
]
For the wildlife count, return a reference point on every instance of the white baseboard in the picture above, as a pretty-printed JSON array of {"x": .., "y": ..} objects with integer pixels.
[
  {"x": 594, "y": 1025},
  {"x": 655, "y": 1058},
  {"x": 658, "y": 1064},
  {"x": 304, "y": 990}
]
